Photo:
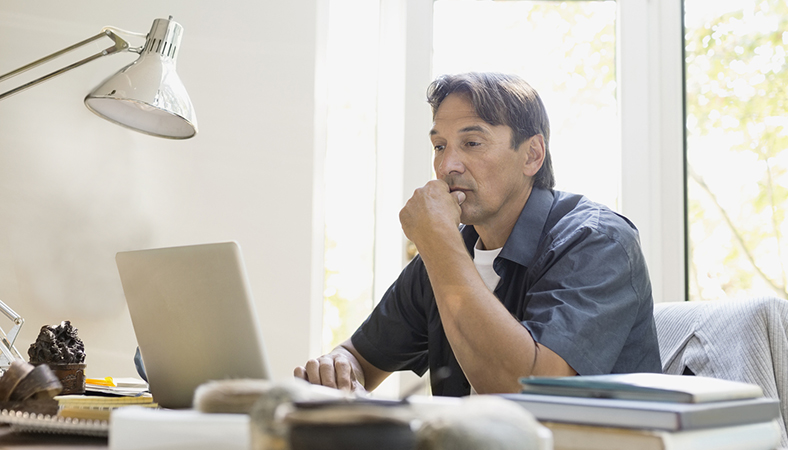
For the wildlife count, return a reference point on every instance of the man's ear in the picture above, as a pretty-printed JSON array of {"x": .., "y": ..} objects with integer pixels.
[{"x": 535, "y": 153}]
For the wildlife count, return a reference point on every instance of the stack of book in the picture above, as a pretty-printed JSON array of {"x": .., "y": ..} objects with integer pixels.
[
  {"x": 652, "y": 411},
  {"x": 94, "y": 407}
]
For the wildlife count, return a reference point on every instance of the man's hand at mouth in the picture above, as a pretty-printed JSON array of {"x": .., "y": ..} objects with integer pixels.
[{"x": 432, "y": 212}]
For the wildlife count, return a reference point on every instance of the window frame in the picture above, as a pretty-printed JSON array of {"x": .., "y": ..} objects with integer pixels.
[{"x": 651, "y": 92}]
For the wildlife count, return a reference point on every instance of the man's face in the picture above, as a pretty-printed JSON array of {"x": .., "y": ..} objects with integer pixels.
[{"x": 477, "y": 158}]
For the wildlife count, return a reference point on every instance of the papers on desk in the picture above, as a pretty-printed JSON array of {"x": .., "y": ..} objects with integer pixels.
[{"x": 116, "y": 386}]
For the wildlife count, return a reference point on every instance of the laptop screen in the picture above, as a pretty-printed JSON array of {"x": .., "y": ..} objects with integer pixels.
[{"x": 194, "y": 317}]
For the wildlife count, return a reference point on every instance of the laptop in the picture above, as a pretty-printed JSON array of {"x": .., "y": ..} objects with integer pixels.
[{"x": 194, "y": 318}]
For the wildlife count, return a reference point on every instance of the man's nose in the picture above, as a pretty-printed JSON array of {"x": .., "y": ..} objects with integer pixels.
[{"x": 449, "y": 161}]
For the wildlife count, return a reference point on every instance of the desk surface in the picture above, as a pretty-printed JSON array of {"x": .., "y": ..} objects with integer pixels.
[{"x": 42, "y": 441}]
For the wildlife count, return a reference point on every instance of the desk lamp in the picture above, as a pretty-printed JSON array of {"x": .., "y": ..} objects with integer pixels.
[{"x": 146, "y": 95}]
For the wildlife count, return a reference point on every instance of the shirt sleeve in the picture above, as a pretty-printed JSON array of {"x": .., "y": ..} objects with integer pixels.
[
  {"x": 590, "y": 292},
  {"x": 394, "y": 336}
]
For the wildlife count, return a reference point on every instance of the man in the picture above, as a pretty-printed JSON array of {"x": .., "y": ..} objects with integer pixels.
[{"x": 512, "y": 278}]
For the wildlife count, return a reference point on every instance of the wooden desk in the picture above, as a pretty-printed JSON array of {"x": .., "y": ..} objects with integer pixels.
[{"x": 43, "y": 441}]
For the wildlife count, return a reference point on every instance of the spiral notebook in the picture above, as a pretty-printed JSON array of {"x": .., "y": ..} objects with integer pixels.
[{"x": 42, "y": 423}]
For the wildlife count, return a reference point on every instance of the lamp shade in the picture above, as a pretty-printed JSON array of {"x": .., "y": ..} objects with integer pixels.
[{"x": 147, "y": 95}]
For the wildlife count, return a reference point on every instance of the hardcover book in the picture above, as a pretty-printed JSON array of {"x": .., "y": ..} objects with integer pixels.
[
  {"x": 756, "y": 436},
  {"x": 643, "y": 386},
  {"x": 647, "y": 414}
]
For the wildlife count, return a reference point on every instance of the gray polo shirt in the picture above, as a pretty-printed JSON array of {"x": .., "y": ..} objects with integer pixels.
[{"x": 572, "y": 272}]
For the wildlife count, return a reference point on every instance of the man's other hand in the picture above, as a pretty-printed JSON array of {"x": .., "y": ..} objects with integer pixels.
[{"x": 338, "y": 369}]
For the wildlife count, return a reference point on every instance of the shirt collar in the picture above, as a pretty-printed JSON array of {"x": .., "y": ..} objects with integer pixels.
[{"x": 520, "y": 246}]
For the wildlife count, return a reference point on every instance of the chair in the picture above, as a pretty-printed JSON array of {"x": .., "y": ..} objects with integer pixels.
[{"x": 739, "y": 340}]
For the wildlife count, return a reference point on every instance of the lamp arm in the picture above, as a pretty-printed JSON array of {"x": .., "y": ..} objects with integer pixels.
[
  {"x": 9, "y": 353},
  {"x": 10, "y": 313},
  {"x": 119, "y": 45}
]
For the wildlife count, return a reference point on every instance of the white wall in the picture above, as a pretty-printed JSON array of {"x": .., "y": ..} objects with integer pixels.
[{"x": 75, "y": 189}]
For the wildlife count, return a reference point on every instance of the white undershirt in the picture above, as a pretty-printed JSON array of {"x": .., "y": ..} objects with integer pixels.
[{"x": 483, "y": 259}]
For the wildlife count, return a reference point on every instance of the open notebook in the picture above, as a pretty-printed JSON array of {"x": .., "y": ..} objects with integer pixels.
[{"x": 194, "y": 317}]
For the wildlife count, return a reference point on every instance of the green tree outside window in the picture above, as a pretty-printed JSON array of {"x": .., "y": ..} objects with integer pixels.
[{"x": 737, "y": 166}]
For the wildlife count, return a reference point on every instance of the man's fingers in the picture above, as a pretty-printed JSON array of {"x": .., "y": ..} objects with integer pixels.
[
  {"x": 327, "y": 372},
  {"x": 334, "y": 370},
  {"x": 459, "y": 196},
  {"x": 344, "y": 373},
  {"x": 313, "y": 371}
]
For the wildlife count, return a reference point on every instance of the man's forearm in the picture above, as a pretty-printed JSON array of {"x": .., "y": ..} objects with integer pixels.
[
  {"x": 368, "y": 375},
  {"x": 492, "y": 347}
]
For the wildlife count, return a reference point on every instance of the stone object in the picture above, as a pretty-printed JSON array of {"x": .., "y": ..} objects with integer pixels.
[
  {"x": 63, "y": 351},
  {"x": 57, "y": 344}
]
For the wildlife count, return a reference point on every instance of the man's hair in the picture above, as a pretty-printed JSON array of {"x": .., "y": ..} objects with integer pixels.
[{"x": 501, "y": 99}]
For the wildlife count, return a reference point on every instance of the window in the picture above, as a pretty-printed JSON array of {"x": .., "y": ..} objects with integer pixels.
[
  {"x": 737, "y": 166},
  {"x": 352, "y": 51},
  {"x": 617, "y": 64},
  {"x": 567, "y": 52},
  {"x": 585, "y": 141}
]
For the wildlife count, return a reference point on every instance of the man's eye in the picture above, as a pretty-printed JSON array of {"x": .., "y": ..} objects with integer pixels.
[
  {"x": 473, "y": 144},
  {"x": 439, "y": 148}
]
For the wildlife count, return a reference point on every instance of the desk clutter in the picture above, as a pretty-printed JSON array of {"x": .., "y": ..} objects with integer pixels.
[
  {"x": 50, "y": 394},
  {"x": 29, "y": 402},
  {"x": 610, "y": 412},
  {"x": 295, "y": 415},
  {"x": 56, "y": 366},
  {"x": 296, "y": 418}
]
